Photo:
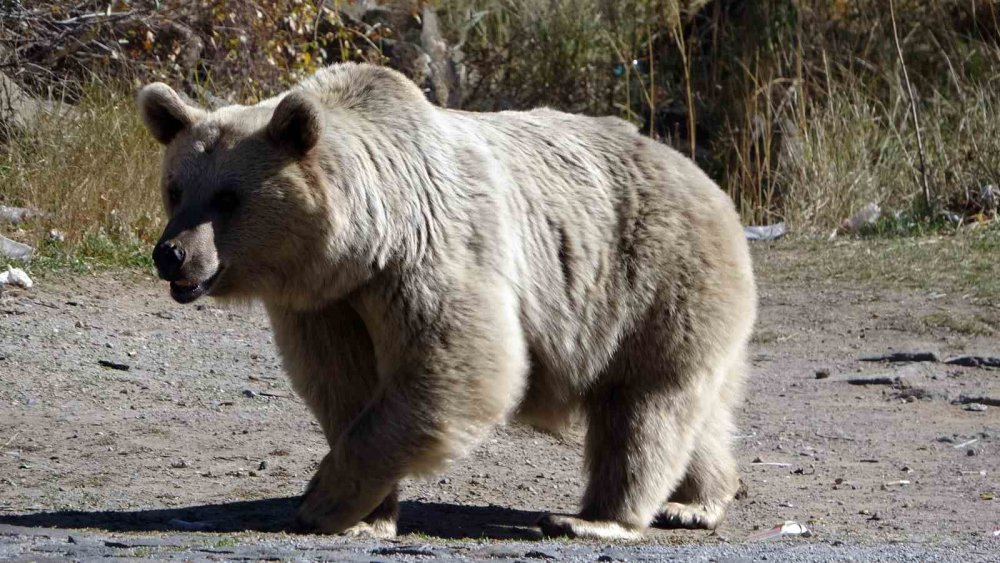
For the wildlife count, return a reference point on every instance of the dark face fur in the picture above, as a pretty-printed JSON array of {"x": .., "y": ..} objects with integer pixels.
[{"x": 237, "y": 191}]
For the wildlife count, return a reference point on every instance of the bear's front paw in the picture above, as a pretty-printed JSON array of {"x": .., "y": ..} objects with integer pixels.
[
  {"x": 377, "y": 529},
  {"x": 323, "y": 511},
  {"x": 339, "y": 497}
]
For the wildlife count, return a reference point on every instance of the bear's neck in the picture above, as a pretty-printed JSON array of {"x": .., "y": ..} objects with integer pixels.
[{"x": 387, "y": 181}]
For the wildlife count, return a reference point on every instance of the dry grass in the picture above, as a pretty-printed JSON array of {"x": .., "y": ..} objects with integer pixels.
[
  {"x": 856, "y": 149},
  {"x": 95, "y": 172},
  {"x": 958, "y": 323},
  {"x": 804, "y": 110},
  {"x": 962, "y": 263}
]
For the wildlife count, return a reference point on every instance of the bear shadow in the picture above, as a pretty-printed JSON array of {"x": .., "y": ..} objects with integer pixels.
[{"x": 441, "y": 520}]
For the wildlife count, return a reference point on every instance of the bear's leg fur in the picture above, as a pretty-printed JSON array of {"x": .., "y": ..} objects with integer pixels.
[
  {"x": 711, "y": 480},
  {"x": 660, "y": 412},
  {"x": 329, "y": 358},
  {"x": 451, "y": 381},
  {"x": 638, "y": 445}
]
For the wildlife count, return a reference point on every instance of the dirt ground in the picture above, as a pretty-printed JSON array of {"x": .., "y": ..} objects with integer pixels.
[{"x": 202, "y": 429}]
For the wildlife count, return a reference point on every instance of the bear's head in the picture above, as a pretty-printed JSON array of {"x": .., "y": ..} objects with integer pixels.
[{"x": 243, "y": 191}]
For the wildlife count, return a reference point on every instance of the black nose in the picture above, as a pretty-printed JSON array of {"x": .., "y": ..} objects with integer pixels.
[{"x": 168, "y": 258}]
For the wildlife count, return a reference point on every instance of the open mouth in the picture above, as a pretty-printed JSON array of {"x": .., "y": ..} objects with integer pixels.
[{"x": 186, "y": 291}]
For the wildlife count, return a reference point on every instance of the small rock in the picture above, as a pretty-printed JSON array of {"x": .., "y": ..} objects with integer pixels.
[
  {"x": 971, "y": 452},
  {"x": 182, "y": 464},
  {"x": 913, "y": 393},
  {"x": 539, "y": 554},
  {"x": 262, "y": 466},
  {"x": 249, "y": 393},
  {"x": 411, "y": 550},
  {"x": 822, "y": 373},
  {"x": 15, "y": 251}
]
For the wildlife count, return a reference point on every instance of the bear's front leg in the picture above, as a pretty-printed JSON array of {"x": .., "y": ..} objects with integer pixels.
[
  {"x": 329, "y": 358},
  {"x": 454, "y": 380},
  {"x": 338, "y": 498}
]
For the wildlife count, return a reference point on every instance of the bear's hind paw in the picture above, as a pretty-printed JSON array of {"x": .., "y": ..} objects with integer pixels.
[
  {"x": 689, "y": 516},
  {"x": 553, "y": 525}
]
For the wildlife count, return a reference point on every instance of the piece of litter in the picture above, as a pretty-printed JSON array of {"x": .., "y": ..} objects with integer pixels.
[
  {"x": 975, "y": 407},
  {"x": 765, "y": 232},
  {"x": 904, "y": 357},
  {"x": 190, "y": 526},
  {"x": 789, "y": 528},
  {"x": 759, "y": 461},
  {"x": 873, "y": 381},
  {"x": 15, "y": 276},
  {"x": 968, "y": 399},
  {"x": 862, "y": 219},
  {"x": 988, "y": 495},
  {"x": 974, "y": 361},
  {"x": 981, "y": 473},
  {"x": 114, "y": 365},
  {"x": 966, "y": 443},
  {"x": 899, "y": 483}
]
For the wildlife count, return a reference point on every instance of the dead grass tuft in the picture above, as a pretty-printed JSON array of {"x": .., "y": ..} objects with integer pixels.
[{"x": 95, "y": 173}]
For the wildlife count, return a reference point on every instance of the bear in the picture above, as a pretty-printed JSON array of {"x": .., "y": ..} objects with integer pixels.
[{"x": 431, "y": 273}]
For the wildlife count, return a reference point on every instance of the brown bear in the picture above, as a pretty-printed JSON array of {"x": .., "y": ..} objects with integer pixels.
[{"x": 431, "y": 273}]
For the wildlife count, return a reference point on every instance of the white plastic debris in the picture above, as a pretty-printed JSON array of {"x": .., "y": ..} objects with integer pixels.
[
  {"x": 864, "y": 218},
  {"x": 15, "y": 250},
  {"x": 990, "y": 196},
  {"x": 15, "y": 276},
  {"x": 765, "y": 232},
  {"x": 15, "y": 215},
  {"x": 789, "y": 528},
  {"x": 899, "y": 483}
]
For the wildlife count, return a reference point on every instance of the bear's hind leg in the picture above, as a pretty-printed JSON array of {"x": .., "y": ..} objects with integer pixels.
[
  {"x": 639, "y": 441},
  {"x": 710, "y": 483}
]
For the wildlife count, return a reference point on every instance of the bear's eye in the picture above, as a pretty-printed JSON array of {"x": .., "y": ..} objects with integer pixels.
[
  {"x": 225, "y": 201},
  {"x": 173, "y": 195}
]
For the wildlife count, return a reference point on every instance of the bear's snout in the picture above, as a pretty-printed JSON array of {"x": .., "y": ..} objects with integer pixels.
[{"x": 168, "y": 257}]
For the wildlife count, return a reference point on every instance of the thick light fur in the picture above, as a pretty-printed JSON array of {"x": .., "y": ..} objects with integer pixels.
[{"x": 431, "y": 273}]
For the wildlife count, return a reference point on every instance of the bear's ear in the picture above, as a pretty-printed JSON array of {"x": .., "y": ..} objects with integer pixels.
[
  {"x": 297, "y": 123},
  {"x": 164, "y": 112}
]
